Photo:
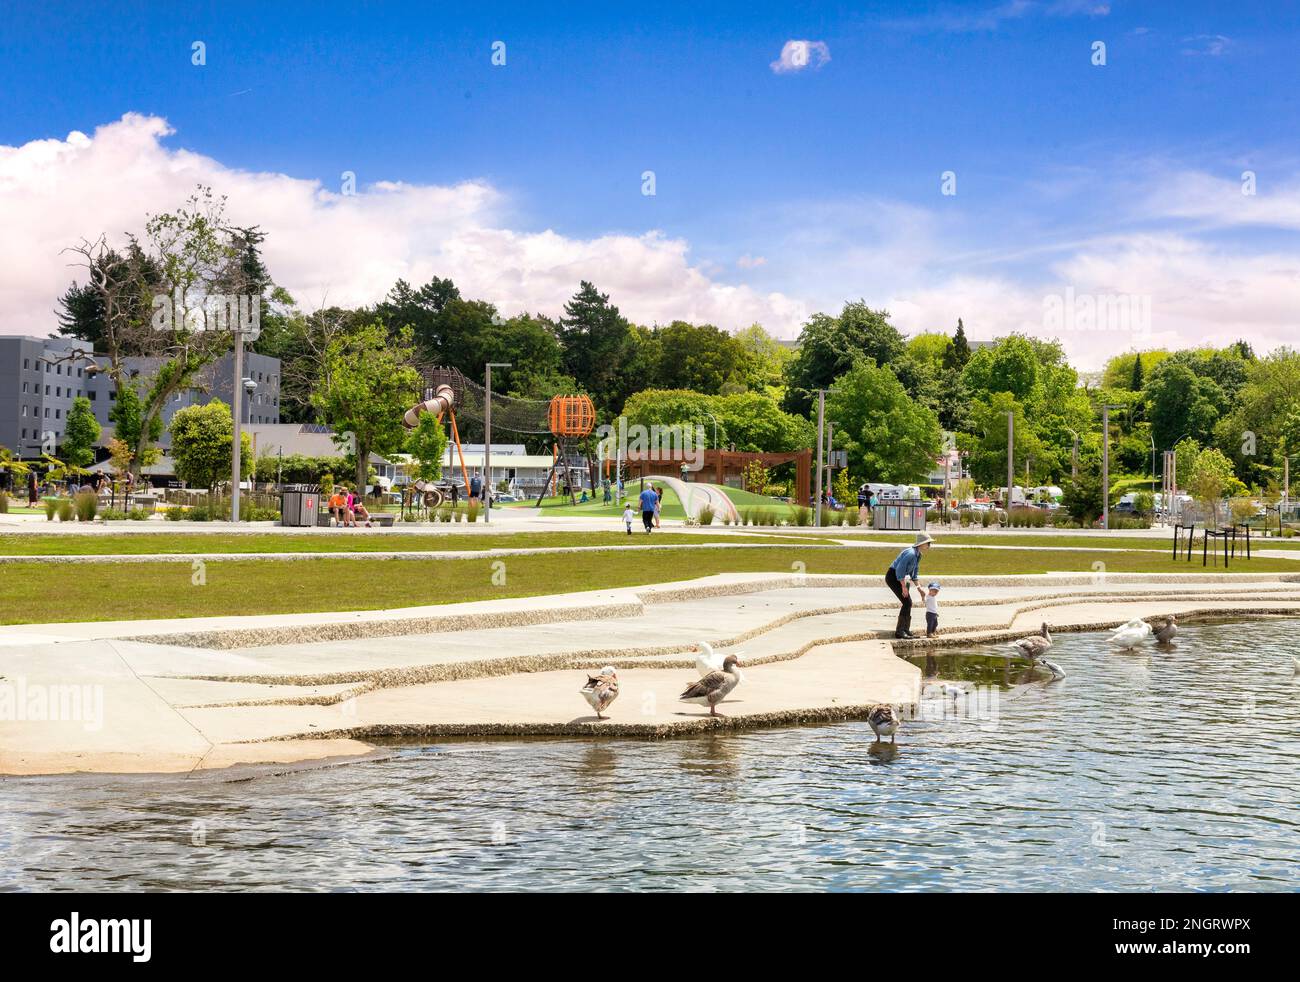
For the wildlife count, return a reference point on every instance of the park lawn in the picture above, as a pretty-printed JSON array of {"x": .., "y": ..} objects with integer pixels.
[
  {"x": 48, "y": 592},
  {"x": 186, "y": 543},
  {"x": 560, "y": 506},
  {"x": 747, "y": 499}
]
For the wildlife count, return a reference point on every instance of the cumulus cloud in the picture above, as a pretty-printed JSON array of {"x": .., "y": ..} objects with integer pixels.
[
  {"x": 799, "y": 55},
  {"x": 327, "y": 247}
]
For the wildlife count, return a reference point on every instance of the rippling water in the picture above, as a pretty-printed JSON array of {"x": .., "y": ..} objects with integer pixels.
[{"x": 1171, "y": 770}]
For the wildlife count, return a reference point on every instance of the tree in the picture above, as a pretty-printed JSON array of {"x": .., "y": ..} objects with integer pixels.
[
  {"x": 427, "y": 444},
  {"x": 767, "y": 360},
  {"x": 130, "y": 426},
  {"x": 596, "y": 341},
  {"x": 1181, "y": 403},
  {"x": 201, "y": 440},
  {"x": 889, "y": 436},
  {"x": 365, "y": 387},
  {"x": 955, "y": 357},
  {"x": 80, "y": 433},
  {"x": 988, "y": 459},
  {"x": 701, "y": 358},
  {"x": 1137, "y": 380},
  {"x": 1211, "y": 479},
  {"x": 830, "y": 346},
  {"x": 1081, "y": 497}
]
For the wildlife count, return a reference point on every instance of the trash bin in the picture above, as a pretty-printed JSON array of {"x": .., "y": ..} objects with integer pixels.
[
  {"x": 298, "y": 508},
  {"x": 900, "y": 515}
]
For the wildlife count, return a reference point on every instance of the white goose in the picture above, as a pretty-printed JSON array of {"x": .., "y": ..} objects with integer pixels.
[
  {"x": 707, "y": 661},
  {"x": 1130, "y": 635}
]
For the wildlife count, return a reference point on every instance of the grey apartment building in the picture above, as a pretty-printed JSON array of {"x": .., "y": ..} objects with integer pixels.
[{"x": 37, "y": 388}]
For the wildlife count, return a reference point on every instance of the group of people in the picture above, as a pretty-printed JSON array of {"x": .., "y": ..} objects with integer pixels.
[
  {"x": 346, "y": 506},
  {"x": 650, "y": 501},
  {"x": 904, "y": 575}
]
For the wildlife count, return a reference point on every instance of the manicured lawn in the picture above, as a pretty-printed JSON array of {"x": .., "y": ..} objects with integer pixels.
[
  {"x": 40, "y": 592},
  {"x": 343, "y": 540},
  {"x": 747, "y": 499},
  {"x": 561, "y": 507},
  {"x": 1013, "y": 538}
]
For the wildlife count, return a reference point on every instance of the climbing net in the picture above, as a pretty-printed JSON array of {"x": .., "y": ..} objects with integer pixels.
[{"x": 508, "y": 413}]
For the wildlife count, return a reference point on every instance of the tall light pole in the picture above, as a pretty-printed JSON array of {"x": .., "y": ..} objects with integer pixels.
[
  {"x": 1074, "y": 456},
  {"x": 1011, "y": 447},
  {"x": 830, "y": 453},
  {"x": 487, "y": 441},
  {"x": 237, "y": 414},
  {"x": 1105, "y": 465},
  {"x": 821, "y": 422}
]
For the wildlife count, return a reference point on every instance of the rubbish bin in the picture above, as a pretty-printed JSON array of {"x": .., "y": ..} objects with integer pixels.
[
  {"x": 900, "y": 515},
  {"x": 298, "y": 508}
]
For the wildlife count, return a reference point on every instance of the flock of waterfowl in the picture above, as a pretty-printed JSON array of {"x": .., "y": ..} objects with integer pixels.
[{"x": 719, "y": 676}]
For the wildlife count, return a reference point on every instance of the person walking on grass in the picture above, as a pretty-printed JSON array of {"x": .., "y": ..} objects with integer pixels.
[
  {"x": 628, "y": 515},
  {"x": 649, "y": 505},
  {"x": 659, "y": 501},
  {"x": 903, "y": 574}
]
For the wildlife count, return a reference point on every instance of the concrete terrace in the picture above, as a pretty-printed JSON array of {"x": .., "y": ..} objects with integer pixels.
[{"x": 193, "y": 695}]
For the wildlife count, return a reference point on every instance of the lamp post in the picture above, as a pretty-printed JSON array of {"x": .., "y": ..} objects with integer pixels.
[
  {"x": 1105, "y": 465},
  {"x": 487, "y": 440},
  {"x": 821, "y": 422},
  {"x": 1011, "y": 447},
  {"x": 1074, "y": 455},
  {"x": 237, "y": 414}
]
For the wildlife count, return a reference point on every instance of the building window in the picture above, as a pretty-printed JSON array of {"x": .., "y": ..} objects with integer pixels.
[
  {"x": 91, "y": 393},
  {"x": 24, "y": 388},
  {"x": 25, "y": 433},
  {"x": 56, "y": 416},
  {"x": 47, "y": 392},
  {"x": 26, "y": 365}
]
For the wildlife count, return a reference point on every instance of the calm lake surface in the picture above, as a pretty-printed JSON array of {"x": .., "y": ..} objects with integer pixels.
[{"x": 1169, "y": 769}]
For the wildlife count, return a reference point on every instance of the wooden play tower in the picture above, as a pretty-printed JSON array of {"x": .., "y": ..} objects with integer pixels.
[{"x": 571, "y": 418}]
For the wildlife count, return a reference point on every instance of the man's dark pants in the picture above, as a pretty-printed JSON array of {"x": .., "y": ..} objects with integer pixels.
[
  {"x": 648, "y": 518},
  {"x": 904, "y": 624}
]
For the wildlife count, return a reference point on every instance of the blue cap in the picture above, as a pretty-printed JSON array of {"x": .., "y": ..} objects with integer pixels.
[{"x": 934, "y": 585}]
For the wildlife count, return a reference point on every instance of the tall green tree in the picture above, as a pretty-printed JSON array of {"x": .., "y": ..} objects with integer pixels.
[
  {"x": 80, "y": 434},
  {"x": 889, "y": 436},
  {"x": 201, "y": 442},
  {"x": 830, "y": 346},
  {"x": 597, "y": 341},
  {"x": 958, "y": 354},
  {"x": 365, "y": 387}
]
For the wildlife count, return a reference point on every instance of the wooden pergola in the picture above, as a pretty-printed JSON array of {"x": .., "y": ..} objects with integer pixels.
[{"x": 718, "y": 465}]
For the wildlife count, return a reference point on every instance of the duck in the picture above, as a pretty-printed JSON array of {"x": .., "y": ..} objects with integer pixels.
[
  {"x": 884, "y": 720},
  {"x": 601, "y": 690},
  {"x": 1057, "y": 671},
  {"x": 1166, "y": 631},
  {"x": 1295, "y": 665},
  {"x": 716, "y": 686},
  {"x": 1130, "y": 635},
  {"x": 707, "y": 661},
  {"x": 1035, "y": 644}
]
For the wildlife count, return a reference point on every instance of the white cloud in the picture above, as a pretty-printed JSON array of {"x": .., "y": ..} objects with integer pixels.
[
  {"x": 799, "y": 55},
  {"x": 750, "y": 262},
  {"x": 1211, "y": 45},
  {"x": 325, "y": 247}
]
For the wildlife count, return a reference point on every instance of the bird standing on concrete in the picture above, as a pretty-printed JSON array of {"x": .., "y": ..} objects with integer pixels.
[
  {"x": 716, "y": 686},
  {"x": 601, "y": 690},
  {"x": 707, "y": 661}
]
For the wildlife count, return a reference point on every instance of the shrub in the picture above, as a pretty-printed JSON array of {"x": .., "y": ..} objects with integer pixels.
[
  {"x": 4, "y": 503},
  {"x": 176, "y": 513},
  {"x": 200, "y": 513},
  {"x": 706, "y": 515},
  {"x": 112, "y": 515},
  {"x": 471, "y": 513},
  {"x": 51, "y": 508},
  {"x": 852, "y": 517},
  {"x": 86, "y": 504},
  {"x": 137, "y": 514},
  {"x": 965, "y": 519},
  {"x": 66, "y": 510},
  {"x": 802, "y": 516},
  {"x": 986, "y": 518},
  {"x": 442, "y": 514}
]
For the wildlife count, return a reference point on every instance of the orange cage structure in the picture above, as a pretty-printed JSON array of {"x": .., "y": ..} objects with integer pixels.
[{"x": 570, "y": 418}]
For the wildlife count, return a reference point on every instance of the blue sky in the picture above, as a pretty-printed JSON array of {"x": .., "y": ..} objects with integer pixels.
[{"x": 820, "y": 184}]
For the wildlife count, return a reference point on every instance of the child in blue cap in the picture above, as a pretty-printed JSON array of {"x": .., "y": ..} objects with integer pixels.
[{"x": 932, "y": 609}]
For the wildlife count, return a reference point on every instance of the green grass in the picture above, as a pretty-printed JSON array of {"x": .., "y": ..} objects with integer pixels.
[
  {"x": 1002, "y": 537},
  {"x": 747, "y": 499},
  {"x": 560, "y": 506},
  {"x": 43, "y": 592},
  {"x": 360, "y": 540}
]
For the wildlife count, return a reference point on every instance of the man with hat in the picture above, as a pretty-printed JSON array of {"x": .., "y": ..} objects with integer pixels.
[{"x": 904, "y": 573}]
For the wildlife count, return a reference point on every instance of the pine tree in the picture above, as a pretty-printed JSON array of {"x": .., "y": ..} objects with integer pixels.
[
  {"x": 958, "y": 353},
  {"x": 1138, "y": 378}
]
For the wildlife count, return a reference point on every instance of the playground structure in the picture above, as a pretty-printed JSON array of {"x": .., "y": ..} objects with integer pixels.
[{"x": 447, "y": 393}]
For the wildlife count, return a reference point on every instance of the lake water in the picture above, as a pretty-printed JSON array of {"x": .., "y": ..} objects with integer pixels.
[{"x": 1163, "y": 769}]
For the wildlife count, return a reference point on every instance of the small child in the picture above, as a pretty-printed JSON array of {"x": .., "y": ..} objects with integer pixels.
[
  {"x": 932, "y": 609},
  {"x": 628, "y": 515}
]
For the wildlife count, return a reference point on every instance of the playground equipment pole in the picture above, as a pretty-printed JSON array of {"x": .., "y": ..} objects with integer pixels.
[{"x": 487, "y": 440}]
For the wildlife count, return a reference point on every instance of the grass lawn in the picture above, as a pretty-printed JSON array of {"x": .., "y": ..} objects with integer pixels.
[
  {"x": 360, "y": 540},
  {"x": 560, "y": 506},
  {"x": 41, "y": 592},
  {"x": 747, "y": 499}
]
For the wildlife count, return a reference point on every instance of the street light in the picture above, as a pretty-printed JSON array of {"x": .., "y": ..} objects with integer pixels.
[
  {"x": 487, "y": 439},
  {"x": 821, "y": 422},
  {"x": 1105, "y": 465}
]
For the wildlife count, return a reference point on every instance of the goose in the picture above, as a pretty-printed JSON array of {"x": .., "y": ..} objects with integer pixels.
[
  {"x": 716, "y": 686},
  {"x": 1057, "y": 671},
  {"x": 601, "y": 690},
  {"x": 1295, "y": 665},
  {"x": 1166, "y": 631},
  {"x": 947, "y": 689},
  {"x": 884, "y": 720},
  {"x": 707, "y": 661},
  {"x": 1130, "y": 635},
  {"x": 1035, "y": 644}
]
